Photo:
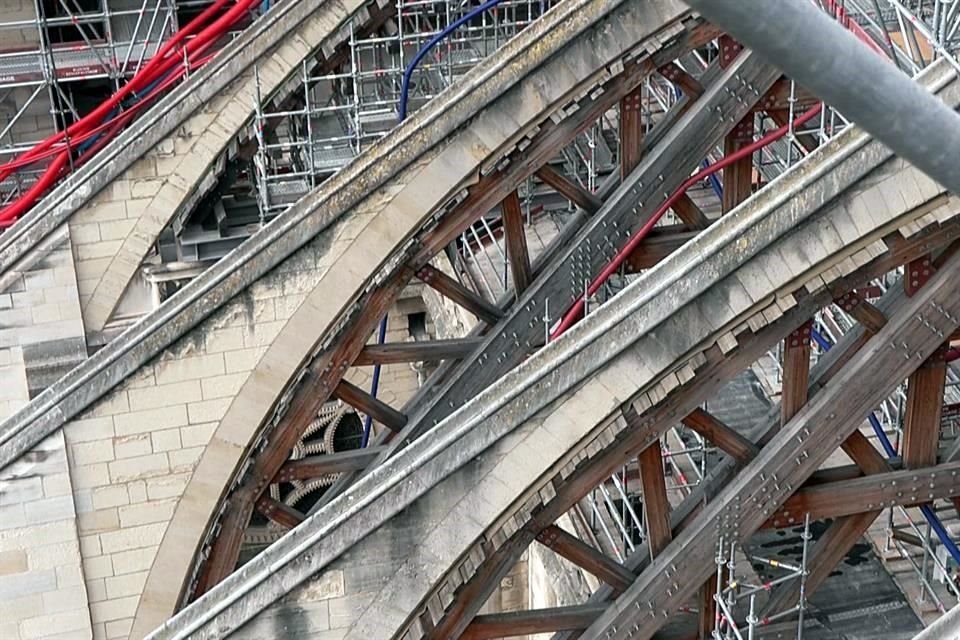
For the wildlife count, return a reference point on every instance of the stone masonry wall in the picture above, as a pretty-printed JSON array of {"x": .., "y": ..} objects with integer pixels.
[
  {"x": 42, "y": 595},
  {"x": 133, "y": 454},
  {"x": 41, "y": 331}
]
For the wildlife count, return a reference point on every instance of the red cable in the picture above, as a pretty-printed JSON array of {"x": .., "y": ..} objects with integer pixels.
[
  {"x": 124, "y": 91},
  {"x": 9, "y": 213},
  {"x": 160, "y": 64},
  {"x": 574, "y": 313}
]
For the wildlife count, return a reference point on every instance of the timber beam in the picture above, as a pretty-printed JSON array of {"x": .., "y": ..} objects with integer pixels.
[
  {"x": 778, "y": 99},
  {"x": 631, "y": 132},
  {"x": 796, "y": 371},
  {"x": 921, "y": 425},
  {"x": 516, "y": 240},
  {"x": 450, "y": 288},
  {"x": 278, "y": 512},
  {"x": 569, "y": 189},
  {"x": 521, "y": 623},
  {"x": 869, "y": 494},
  {"x": 656, "y": 506},
  {"x": 732, "y": 443},
  {"x": 586, "y": 557},
  {"x": 426, "y": 351},
  {"x": 738, "y": 177},
  {"x": 657, "y": 246},
  {"x": 373, "y": 407},
  {"x": 687, "y": 83},
  {"x": 862, "y": 311},
  {"x": 688, "y": 211},
  {"x": 317, "y": 466}
]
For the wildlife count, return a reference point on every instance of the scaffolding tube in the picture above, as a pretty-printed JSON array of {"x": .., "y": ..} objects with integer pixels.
[
  {"x": 928, "y": 513},
  {"x": 833, "y": 63}
]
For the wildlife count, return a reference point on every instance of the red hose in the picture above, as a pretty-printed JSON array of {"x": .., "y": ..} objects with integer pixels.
[
  {"x": 137, "y": 81},
  {"x": 843, "y": 17},
  {"x": 168, "y": 61},
  {"x": 53, "y": 172},
  {"x": 575, "y": 312}
]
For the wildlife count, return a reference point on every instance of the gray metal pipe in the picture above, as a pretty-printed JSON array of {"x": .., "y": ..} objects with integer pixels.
[{"x": 824, "y": 57}]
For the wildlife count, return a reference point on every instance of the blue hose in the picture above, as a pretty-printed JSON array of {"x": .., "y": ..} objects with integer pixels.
[
  {"x": 714, "y": 181},
  {"x": 374, "y": 385},
  {"x": 891, "y": 452},
  {"x": 450, "y": 28},
  {"x": 404, "y": 95}
]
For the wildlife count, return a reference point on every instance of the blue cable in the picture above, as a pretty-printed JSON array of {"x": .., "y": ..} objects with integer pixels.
[
  {"x": 714, "y": 181},
  {"x": 374, "y": 385},
  {"x": 891, "y": 452},
  {"x": 450, "y": 28},
  {"x": 402, "y": 109}
]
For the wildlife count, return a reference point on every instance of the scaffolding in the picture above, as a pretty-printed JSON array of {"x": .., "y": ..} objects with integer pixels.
[
  {"x": 59, "y": 59},
  {"x": 738, "y": 600}
]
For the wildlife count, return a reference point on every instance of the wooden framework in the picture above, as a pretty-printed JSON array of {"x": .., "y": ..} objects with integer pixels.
[
  {"x": 639, "y": 437},
  {"x": 853, "y": 501},
  {"x": 324, "y": 377}
]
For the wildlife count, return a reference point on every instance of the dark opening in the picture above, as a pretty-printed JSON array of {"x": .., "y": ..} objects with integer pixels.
[{"x": 53, "y": 9}]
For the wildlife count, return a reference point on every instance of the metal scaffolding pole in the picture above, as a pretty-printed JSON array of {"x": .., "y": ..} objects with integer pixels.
[{"x": 823, "y": 56}]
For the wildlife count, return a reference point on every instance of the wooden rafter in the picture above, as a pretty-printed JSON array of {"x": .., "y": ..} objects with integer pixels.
[
  {"x": 921, "y": 423},
  {"x": 657, "y": 246},
  {"x": 318, "y": 466},
  {"x": 867, "y": 493},
  {"x": 425, "y": 351},
  {"x": 656, "y": 506},
  {"x": 688, "y": 211},
  {"x": 796, "y": 371},
  {"x": 586, "y": 557},
  {"x": 516, "y": 239},
  {"x": 278, "y": 512},
  {"x": 862, "y": 311},
  {"x": 373, "y": 407},
  {"x": 732, "y": 443},
  {"x": 738, "y": 177},
  {"x": 450, "y": 288},
  {"x": 521, "y": 623},
  {"x": 569, "y": 189},
  {"x": 631, "y": 132},
  {"x": 687, "y": 83},
  {"x": 778, "y": 98}
]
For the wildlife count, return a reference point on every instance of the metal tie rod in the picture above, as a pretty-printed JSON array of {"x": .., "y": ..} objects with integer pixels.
[{"x": 821, "y": 55}]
